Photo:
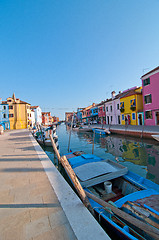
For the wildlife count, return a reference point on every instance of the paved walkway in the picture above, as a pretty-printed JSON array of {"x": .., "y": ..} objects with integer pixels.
[{"x": 36, "y": 203}]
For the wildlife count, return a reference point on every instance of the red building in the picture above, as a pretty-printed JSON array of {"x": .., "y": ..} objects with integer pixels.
[
  {"x": 68, "y": 116},
  {"x": 46, "y": 118},
  {"x": 101, "y": 113}
]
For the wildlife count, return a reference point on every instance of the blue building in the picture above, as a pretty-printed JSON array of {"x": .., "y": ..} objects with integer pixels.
[
  {"x": 94, "y": 114},
  {"x": 79, "y": 114},
  {"x": 4, "y": 115}
]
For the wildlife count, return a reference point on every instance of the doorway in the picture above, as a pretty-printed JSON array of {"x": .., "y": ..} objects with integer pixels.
[
  {"x": 107, "y": 119},
  {"x": 140, "y": 119},
  {"x": 157, "y": 118}
]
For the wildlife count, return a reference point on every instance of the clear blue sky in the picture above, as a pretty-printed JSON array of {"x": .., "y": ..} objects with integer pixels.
[{"x": 64, "y": 54}]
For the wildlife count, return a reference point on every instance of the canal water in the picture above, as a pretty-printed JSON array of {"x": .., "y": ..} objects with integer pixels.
[{"x": 139, "y": 155}]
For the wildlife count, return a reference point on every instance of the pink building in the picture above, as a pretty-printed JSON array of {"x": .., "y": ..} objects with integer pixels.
[{"x": 150, "y": 92}]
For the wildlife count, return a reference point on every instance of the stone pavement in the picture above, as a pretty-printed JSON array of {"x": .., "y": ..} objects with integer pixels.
[{"x": 35, "y": 201}]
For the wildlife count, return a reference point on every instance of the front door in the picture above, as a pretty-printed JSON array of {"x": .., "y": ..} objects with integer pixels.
[
  {"x": 140, "y": 119},
  {"x": 107, "y": 119},
  {"x": 157, "y": 118}
]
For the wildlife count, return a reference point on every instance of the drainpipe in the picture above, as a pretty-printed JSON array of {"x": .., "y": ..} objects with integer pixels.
[{"x": 136, "y": 110}]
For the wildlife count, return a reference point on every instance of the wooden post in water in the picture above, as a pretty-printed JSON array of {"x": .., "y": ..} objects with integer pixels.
[
  {"x": 93, "y": 142},
  {"x": 70, "y": 133},
  {"x": 148, "y": 229},
  {"x": 42, "y": 135},
  {"x": 63, "y": 160}
]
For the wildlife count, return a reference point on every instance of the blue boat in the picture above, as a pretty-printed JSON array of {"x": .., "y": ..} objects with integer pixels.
[
  {"x": 115, "y": 184},
  {"x": 101, "y": 131}
]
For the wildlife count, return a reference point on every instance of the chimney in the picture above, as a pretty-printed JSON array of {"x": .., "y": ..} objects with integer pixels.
[{"x": 113, "y": 94}]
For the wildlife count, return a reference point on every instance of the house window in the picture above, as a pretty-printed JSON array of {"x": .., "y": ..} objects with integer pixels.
[
  {"x": 132, "y": 102},
  {"x": 148, "y": 99},
  {"x": 11, "y": 115},
  {"x": 107, "y": 109},
  {"x": 11, "y": 107},
  {"x": 122, "y": 105},
  {"x": 111, "y": 108},
  {"x": 111, "y": 118},
  {"x": 122, "y": 117},
  {"x": 4, "y": 107},
  {"x": 103, "y": 109},
  {"x": 133, "y": 116},
  {"x": 148, "y": 114},
  {"x": 4, "y": 115},
  {"x": 118, "y": 106},
  {"x": 146, "y": 81}
]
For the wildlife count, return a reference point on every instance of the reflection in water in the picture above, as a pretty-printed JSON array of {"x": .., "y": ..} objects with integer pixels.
[{"x": 140, "y": 156}]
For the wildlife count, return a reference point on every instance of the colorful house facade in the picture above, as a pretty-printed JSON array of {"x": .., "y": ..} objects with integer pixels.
[
  {"x": 94, "y": 114},
  {"x": 150, "y": 89},
  {"x": 79, "y": 114},
  {"x": 4, "y": 115},
  {"x": 17, "y": 113},
  {"x": 130, "y": 105},
  {"x": 38, "y": 114},
  {"x": 87, "y": 113},
  {"x": 68, "y": 116},
  {"x": 112, "y": 109},
  {"x": 101, "y": 113},
  {"x": 46, "y": 118}
]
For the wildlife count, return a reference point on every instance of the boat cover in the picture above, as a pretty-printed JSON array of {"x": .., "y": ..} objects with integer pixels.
[{"x": 93, "y": 173}]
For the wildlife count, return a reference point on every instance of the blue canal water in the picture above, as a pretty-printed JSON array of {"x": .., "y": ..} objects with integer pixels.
[{"x": 139, "y": 155}]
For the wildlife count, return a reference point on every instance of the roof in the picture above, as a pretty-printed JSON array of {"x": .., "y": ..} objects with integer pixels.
[
  {"x": 131, "y": 92},
  {"x": 22, "y": 102},
  {"x": 4, "y": 102},
  {"x": 155, "y": 69},
  {"x": 46, "y": 113},
  {"x": 33, "y": 107}
]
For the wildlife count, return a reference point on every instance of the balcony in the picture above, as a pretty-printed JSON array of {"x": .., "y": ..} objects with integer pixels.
[
  {"x": 133, "y": 108},
  {"x": 122, "y": 110}
]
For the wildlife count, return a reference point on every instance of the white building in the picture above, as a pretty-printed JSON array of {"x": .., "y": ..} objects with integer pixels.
[
  {"x": 38, "y": 114},
  {"x": 112, "y": 109}
]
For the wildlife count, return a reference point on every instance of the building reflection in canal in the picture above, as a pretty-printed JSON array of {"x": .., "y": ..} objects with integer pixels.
[{"x": 140, "y": 156}]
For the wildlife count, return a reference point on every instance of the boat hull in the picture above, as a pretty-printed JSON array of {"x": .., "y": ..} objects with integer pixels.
[
  {"x": 46, "y": 143},
  {"x": 156, "y": 137},
  {"x": 106, "y": 216}
]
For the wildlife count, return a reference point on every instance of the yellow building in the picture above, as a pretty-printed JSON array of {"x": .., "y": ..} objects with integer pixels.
[
  {"x": 18, "y": 113},
  {"x": 130, "y": 105}
]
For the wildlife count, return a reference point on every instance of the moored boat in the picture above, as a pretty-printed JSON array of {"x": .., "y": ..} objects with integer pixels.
[
  {"x": 101, "y": 131},
  {"x": 130, "y": 193},
  {"x": 156, "y": 137}
]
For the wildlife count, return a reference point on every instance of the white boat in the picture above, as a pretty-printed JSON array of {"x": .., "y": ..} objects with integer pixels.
[
  {"x": 46, "y": 142},
  {"x": 156, "y": 137}
]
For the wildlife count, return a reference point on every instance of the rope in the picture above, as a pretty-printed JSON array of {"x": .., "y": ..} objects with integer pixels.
[{"x": 104, "y": 209}]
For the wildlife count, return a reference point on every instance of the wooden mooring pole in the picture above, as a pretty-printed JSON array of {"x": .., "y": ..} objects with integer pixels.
[
  {"x": 63, "y": 160},
  {"x": 70, "y": 133}
]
